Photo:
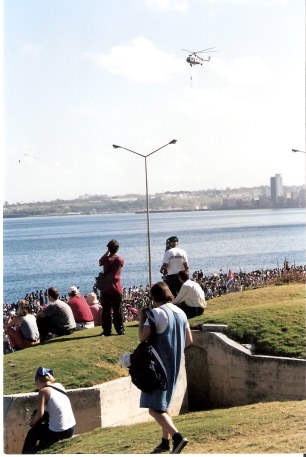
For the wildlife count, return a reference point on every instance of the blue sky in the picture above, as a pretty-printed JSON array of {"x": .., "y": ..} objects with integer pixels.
[{"x": 80, "y": 75}]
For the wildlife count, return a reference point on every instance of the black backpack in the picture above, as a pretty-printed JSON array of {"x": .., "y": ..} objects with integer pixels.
[{"x": 147, "y": 370}]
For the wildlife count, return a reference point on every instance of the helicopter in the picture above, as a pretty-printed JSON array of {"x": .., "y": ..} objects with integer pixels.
[{"x": 194, "y": 59}]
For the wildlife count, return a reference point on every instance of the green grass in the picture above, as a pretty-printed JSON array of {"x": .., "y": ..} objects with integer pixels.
[
  {"x": 83, "y": 359},
  {"x": 260, "y": 428},
  {"x": 271, "y": 317}
]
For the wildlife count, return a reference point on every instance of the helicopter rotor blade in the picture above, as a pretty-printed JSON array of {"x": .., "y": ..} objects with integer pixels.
[
  {"x": 191, "y": 52},
  {"x": 206, "y": 50}
]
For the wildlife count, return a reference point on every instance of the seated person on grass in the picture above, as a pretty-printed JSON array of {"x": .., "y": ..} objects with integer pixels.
[
  {"x": 191, "y": 297},
  {"x": 21, "y": 329},
  {"x": 80, "y": 309},
  {"x": 95, "y": 308},
  {"x": 56, "y": 318}
]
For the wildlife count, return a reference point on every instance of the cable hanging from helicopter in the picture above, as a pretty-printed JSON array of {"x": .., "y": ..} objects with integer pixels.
[{"x": 194, "y": 59}]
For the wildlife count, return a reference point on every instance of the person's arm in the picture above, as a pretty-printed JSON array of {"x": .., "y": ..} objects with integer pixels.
[
  {"x": 163, "y": 267},
  {"x": 189, "y": 340},
  {"x": 41, "y": 312},
  {"x": 186, "y": 266},
  {"x": 43, "y": 397},
  {"x": 181, "y": 295},
  {"x": 104, "y": 256},
  {"x": 12, "y": 321},
  {"x": 165, "y": 262},
  {"x": 144, "y": 331}
]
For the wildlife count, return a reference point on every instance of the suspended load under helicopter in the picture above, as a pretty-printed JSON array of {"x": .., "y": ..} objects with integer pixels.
[{"x": 194, "y": 59}]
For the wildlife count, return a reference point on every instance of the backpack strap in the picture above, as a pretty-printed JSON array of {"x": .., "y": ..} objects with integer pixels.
[
  {"x": 150, "y": 317},
  {"x": 59, "y": 390}
]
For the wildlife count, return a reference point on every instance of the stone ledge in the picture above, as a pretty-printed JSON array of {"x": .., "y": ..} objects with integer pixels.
[{"x": 217, "y": 328}]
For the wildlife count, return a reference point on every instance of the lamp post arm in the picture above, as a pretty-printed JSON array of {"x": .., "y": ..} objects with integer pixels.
[
  {"x": 298, "y": 150},
  {"x": 130, "y": 150},
  {"x": 153, "y": 152}
]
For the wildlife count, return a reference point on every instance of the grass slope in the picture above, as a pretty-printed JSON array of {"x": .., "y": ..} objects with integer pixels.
[
  {"x": 260, "y": 428},
  {"x": 272, "y": 318}
]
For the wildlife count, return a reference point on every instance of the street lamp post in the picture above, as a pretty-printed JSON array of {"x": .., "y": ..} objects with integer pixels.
[{"x": 147, "y": 197}]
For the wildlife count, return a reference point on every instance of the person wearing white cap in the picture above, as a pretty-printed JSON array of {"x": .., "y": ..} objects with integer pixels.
[{"x": 80, "y": 308}]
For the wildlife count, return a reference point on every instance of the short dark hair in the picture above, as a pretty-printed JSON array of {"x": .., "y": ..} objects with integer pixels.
[
  {"x": 173, "y": 239},
  {"x": 53, "y": 293},
  {"x": 161, "y": 293},
  {"x": 183, "y": 275},
  {"x": 113, "y": 246}
]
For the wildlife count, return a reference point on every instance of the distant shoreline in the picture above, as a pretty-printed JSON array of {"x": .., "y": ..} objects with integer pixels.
[{"x": 16, "y": 216}]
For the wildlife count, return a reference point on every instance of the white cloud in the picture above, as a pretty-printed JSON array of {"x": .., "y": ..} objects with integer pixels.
[
  {"x": 244, "y": 71},
  {"x": 32, "y": 50},
  {"x": 85, "y": 111},
  {"x": 139, "y": 61},
  {"x": 182, "y": 6},
  {"x": 267, "y": 3}
]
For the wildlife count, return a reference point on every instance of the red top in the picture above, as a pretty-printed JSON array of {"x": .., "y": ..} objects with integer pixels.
[
  {"x": 97, "y": 314},
  {"x": 112, "y": 266},
  {"x": 80, "y": 309}
]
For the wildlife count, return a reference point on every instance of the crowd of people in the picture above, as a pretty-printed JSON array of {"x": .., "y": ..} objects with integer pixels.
[
  {"x": 43, "y": 315},
  {"x": 134, "y": 297}
]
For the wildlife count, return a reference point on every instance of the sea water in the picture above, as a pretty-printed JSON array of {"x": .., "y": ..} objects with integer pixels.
[{"x": 62, "y": 251}]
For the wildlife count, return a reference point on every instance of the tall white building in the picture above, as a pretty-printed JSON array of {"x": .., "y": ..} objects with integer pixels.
[{"x": 276, "y": 184}]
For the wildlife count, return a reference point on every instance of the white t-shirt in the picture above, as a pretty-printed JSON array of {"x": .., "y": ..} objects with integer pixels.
[
  {"x": 192, "y": 294},
  {"x": 161, "y": 317},
  {"x": 175, "y": 259}
]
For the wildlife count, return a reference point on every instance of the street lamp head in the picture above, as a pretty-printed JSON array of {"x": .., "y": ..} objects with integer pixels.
[
  {"x": 298, "y": 150},
  {"x": 173, "y": 142},
  {"x": 116, "y": 146}
]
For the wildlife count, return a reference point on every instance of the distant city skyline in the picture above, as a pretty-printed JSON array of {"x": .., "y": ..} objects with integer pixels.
[
  {"x": 81, "y": 76},
  {"x": 275, "y": 190}
]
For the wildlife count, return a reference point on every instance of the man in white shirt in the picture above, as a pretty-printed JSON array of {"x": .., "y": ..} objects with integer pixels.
[
  {"x": 191, "y": 297},
  {"x": 175, "y": 260}
]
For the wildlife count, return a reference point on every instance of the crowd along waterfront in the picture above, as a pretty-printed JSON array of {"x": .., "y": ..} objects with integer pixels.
[{"x": 63, "y": 251}]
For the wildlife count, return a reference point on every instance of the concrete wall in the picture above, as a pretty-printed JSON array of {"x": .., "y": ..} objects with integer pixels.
[
  {"x": 107, "y": 405},
  {"x": 222, "y": 373}
]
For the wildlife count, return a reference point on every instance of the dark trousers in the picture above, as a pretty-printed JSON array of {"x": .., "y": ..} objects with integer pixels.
[
  {"x": 173, "y": 283},
  {"x": 191, "y": 311},
  {"x": 112, "y": 303},
  {"x": 40, "y": 437},
  {"x": 46, "y": 325}
]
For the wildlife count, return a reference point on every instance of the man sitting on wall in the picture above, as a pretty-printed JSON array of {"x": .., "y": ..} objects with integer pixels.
[{"x": 191, "y": 297}]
